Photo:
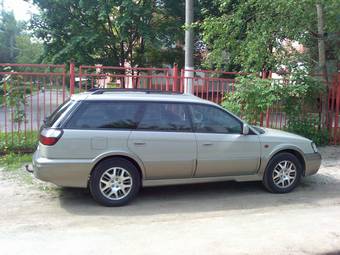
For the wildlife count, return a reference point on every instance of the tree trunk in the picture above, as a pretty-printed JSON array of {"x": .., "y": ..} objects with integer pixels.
[
  {"x": 325, "y": 115},
  {"x": 122, "y": 64}
]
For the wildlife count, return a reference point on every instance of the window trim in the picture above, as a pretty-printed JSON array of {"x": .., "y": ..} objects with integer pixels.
[{"x": 187, "y": 105}]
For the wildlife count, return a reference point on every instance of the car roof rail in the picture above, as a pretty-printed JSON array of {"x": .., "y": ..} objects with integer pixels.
[{"x": 98, "y": 91}]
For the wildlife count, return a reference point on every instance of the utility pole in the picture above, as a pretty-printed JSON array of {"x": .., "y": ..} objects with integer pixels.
[{"x": 189, "y": 41}]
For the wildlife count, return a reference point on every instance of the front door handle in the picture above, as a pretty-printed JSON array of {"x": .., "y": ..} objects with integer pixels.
[{"x": 207, "y": 144}]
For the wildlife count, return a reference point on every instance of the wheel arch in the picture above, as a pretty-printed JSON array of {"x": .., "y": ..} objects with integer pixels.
[
  {"x": 297, "y": 154},
  {"x": 292, "y": 150},
  {"x": 133, "y": 159}
]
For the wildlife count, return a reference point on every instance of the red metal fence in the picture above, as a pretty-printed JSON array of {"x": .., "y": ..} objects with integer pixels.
[
  {"x": 30, "y": 92},
  {"x": 334, "y": 108}
]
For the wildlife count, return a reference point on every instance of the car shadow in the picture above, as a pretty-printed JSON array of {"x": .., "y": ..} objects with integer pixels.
[{"x": 208, "y": 197}]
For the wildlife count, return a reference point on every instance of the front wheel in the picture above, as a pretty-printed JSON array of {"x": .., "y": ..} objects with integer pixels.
[
  {"x": 114, "y": 182},
  {"x": 283, "y": 173}
]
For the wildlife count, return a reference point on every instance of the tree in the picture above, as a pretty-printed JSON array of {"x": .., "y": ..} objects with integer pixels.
[
  {"x": 251, "y": 34},
  {"x": 9, "y": 29},
  {"x": 109, "y": 32},
  {"x": 29, "y": 51}
]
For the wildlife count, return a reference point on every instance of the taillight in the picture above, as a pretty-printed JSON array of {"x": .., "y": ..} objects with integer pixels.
[{"x": 50, "y": 136}]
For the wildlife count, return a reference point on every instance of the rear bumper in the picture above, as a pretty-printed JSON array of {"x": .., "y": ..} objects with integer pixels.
[
  {"x": 66, "y": 173},
  {"x": 313, "y": 162}
]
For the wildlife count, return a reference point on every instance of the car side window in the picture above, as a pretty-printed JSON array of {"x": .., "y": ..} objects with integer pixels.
[
  {"x": 105, "y": 115},
  {"x": 165, "y": 117},
  {"x": 209, "y": 119}
]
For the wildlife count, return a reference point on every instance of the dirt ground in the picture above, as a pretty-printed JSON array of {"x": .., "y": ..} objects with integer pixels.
[{"x": 222, "y": 218}]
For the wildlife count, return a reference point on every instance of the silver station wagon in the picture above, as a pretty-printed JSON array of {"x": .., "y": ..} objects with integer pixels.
[{"x": 116, "y": 141}]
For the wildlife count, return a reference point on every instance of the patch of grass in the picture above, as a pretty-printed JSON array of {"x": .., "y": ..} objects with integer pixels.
[
  {"x": 18, "y": 142},
  {"x": 13, "y": 161}
]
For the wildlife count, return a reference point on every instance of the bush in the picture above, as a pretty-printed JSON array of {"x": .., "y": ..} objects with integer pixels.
[
  {"x": 252, "y": 96},
  {"x": 299, "y": 91},
  {"x": 309, "y": 127}
]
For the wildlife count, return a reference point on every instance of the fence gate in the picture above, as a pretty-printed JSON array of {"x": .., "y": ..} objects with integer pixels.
[{"x": 28, "y": 93}]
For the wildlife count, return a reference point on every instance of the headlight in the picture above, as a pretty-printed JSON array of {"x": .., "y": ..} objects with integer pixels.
[{"x": 314, "y": 147}]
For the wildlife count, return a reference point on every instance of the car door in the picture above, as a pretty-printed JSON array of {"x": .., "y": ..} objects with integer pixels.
[
  {"x": 221, "y": 148},
  {"x": 164, "y": 141}
]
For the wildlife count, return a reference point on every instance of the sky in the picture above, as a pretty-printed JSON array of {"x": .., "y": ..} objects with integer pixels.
[{"x": 22, "y": 10}]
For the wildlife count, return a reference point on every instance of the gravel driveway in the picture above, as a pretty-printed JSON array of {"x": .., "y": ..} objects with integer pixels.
[{"x": 222, "y": 218}]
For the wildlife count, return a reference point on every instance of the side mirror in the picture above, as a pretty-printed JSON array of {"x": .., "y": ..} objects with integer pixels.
[{"x": 245, "y": 129}]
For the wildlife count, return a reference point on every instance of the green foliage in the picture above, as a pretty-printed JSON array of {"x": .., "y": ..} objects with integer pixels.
[
  {"x": 18, "y": 142},
  {"x": 250, "y": 34},
  {"x": 16, "y": 97},
  {"x": 16, "y": 45},
  {"x": 252, "y": 96},
  {"x": 29, "y": 51},
  {"x": 308, "y": 125},
  {"x": 302, "y": 91},
  {"x": 12, "y": 161},
  {"x": 110, "y": 32},
  {"x": 9, "y": 29}
]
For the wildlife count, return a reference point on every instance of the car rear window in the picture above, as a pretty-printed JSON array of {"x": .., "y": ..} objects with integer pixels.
[
  {"x": 49, "y": 121},
  {"x": 105, "y": 115}
]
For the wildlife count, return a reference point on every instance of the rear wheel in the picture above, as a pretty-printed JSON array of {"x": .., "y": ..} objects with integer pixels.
[
  {"x": 283, "y": 173},
  {"x": 114, "y": 182}
]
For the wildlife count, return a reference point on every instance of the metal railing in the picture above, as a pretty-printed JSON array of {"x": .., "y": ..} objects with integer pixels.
[{"x": 31, "y": 92}]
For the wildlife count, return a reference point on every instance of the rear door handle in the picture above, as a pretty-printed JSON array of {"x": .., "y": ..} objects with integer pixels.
[
  {"x": 207, "y": 144},
  {"x": 139, "y": 143}
]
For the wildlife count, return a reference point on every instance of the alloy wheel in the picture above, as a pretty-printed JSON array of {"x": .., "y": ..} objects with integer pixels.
[
  {"x": 284, "y": 174},
  {"x": 115, "y": 183}
]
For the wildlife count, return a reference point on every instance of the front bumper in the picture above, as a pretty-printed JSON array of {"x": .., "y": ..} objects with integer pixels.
[
  {"x": 65, "y": 173},
  {"x": 313, "y": 162}
]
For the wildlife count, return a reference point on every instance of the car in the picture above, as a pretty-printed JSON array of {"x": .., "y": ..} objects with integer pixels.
[{"x": 116, "y": 141}]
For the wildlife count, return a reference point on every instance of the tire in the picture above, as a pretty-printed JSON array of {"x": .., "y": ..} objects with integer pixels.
[
  {"x": 278, "y": 177},
  {"x": 114, "y": 182}
]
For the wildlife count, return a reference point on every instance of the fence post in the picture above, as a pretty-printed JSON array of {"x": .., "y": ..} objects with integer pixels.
[
  {"x": 167, "y": 82},
  {"x": 268, "y": 110},
  {"x": 261, "y": 119},
  {"x": 72, "y": 77},
  {"x": 263, "y": 76},
  {"x": 267, "y": 117},
  {"x": 64, "y": 78},
  {"x": 181, "y": 81},
  {"x": 175, "y": 77},
  {"x": 337, "y": 108},
  {"x": 80, "y": 87}
]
